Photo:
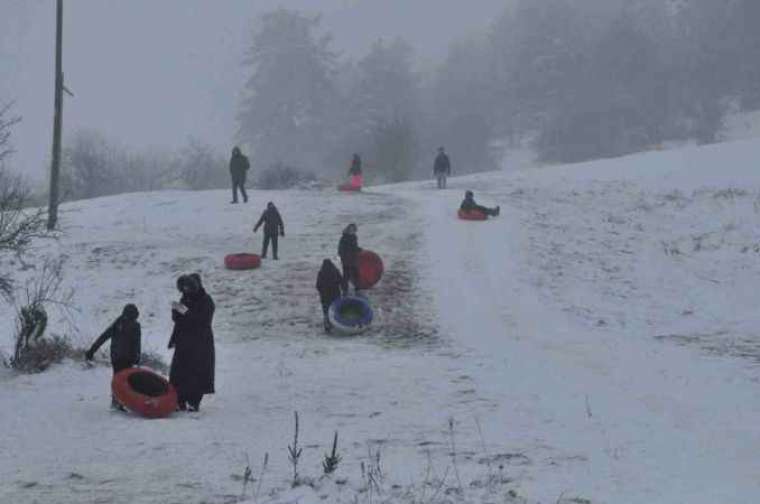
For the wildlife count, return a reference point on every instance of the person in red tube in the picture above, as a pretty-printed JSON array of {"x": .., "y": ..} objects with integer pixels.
[{"x": 469, "y": 204}]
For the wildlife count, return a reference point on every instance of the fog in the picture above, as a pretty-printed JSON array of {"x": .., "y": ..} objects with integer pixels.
[{"x": 147, "y": 72}]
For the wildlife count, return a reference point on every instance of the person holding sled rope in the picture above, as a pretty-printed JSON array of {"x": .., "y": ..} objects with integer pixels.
[{"x": 273, "y": 226}]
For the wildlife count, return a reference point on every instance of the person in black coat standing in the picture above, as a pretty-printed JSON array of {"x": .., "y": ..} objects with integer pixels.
[
  {"x": 125, "y": 335},
  {"x": 273, "y": 226},
  {"x": 330, "y": 286},
  {"x": 192, "y": 368},
  {"x": 441, "y": 168},
  {"x": 348, "y": 250},
  {"x": 239, "y": 167}
]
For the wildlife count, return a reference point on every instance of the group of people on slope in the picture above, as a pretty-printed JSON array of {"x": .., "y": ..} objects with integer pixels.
[
  {"x": 331, "y": 283},
  {"x": 192, "y": 338}
]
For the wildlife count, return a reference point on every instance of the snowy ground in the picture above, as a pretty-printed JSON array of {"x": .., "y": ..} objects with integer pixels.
[{"x": 598, "y": 341}]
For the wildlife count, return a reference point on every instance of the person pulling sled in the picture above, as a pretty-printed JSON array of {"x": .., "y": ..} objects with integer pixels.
[{"x": 273, "y": 226}]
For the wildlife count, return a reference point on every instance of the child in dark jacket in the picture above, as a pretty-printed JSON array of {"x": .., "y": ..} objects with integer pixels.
[
  {"x": 125, "y": 335},
  {"x": 469, "y": 204},
  {"x": 329, "y": 285},
  {"x": 348, "y": 250},
  {"x": 273, "y": 226}
]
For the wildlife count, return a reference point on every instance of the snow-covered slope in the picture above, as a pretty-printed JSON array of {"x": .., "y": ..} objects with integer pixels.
[{"x": 597, "y": 341}]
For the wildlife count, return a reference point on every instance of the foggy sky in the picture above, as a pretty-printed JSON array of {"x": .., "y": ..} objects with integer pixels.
[{"x": 153, "y": 72}]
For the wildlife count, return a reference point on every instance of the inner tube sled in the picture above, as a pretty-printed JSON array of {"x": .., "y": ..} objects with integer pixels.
[
  {"x": 475, "y": 215},
  {"x": 370, "y": 269},
  {"x": 355, "y": 183},
  {"x": 144, "y": 392},
  {"x": 350, "y": 314},
  {"x": 242, "y": 261}
]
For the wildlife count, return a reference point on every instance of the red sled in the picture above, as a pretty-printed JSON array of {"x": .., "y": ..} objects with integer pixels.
[
  {"x": 144, "y": 392},
  {"x": 355, "y": 184},
  {"x": 475, "y": 215},
  {"x": 370, "y": 268},
  {"x": 242, "y": 261}
]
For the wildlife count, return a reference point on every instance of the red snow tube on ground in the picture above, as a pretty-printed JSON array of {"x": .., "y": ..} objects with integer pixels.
[
  {"x": 471, "y": 215},
  {"x": 370, "y": 268},
  {"x": 355, "y": 184},
  {"x": 144, "y": 392},
  {"x": 242, "y": 261}
]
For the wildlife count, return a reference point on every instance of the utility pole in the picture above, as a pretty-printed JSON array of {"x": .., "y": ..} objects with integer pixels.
[{"x": 55, "y": 166}]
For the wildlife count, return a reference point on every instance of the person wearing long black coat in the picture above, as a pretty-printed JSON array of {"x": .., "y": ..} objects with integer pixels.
[
  {"x": 273, "y": 227},
  {"x": 441, "y": 168},
  {"x": 239, "y": 167},
  {"x": 192, "y": 368},
  {"x": 348, "y": 250},
  {"x": 125, "y": 335},
  {"x": 330, "y": 287}
]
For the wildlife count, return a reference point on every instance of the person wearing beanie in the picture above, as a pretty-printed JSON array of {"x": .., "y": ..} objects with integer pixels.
[
  {"x": 469, "y": 204},
  {"x": 125, "y": 335}
]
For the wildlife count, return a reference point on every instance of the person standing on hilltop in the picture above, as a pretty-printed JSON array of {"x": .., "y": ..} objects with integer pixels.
[{"x": 239, "y": 167}]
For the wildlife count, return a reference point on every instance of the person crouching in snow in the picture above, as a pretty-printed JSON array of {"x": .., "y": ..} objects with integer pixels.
[
  {"x": 273, "y": 226},
  {"x": 330, "y": 286},
  {"x": 192, "y": 368},
  {"x": 125, "y": 336},
  {"x": 469, "y": 204},
  {"x": 348, "y": 250}
]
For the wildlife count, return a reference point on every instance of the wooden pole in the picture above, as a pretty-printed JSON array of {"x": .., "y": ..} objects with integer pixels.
[{"x": 57, "y": 121}]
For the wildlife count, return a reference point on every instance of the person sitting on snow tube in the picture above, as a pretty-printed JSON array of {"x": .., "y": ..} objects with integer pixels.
[
  {"x": 125, "y": 335},
  {"x": 469, "y": 205},
  {"x": 348, "y": 250},
  {"x": 330, "y": 287}
]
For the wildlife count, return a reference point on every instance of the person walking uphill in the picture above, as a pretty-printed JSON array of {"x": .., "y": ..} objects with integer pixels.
[
  {"x": 125, "y": 335},
  {"x": 441, "y": 168},
  {"x": 348, "y": 250},
  {"x": 192, "y": 367},
  {"x": 330, "y": 286},
  {"x": 273, "y": 226},
  {"x": 239, "y": 167}
]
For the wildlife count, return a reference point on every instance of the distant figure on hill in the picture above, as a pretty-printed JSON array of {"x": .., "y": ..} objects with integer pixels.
[
  {"x": 441, "y": 168},
  {"x": 348, "y": 250},
  {"x": 125, "y": 335},
  {"x": 192, "y": 369},
  {"x": 273, "y": 226},
  {"x": 330, "y": 287},
  {"x": 469, "y": 204},
  {"x": 356, "y": 166},
  {"x": 239, "y": 167}
]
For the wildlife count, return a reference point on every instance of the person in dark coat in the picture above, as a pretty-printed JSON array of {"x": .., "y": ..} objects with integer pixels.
[
  {"x": 239, "y": 167},
  {"x": 192, "y": 368},
  {"x": 273, "y": 226},
  {"x": 348, "y": 250},
  {"x": 441, "y": 168},
  {"x": 469, "y": 204},
  {"x": 356, "y": 166},
  {"x": 330, "y": 286},
  {"x": 125, "y": 335}
]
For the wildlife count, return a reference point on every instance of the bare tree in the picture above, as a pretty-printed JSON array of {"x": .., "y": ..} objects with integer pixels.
[{"x": 18, "y": 225}]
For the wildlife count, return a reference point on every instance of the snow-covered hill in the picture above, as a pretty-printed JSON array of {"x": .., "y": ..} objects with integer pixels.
[{"x": 597, "y": 341}]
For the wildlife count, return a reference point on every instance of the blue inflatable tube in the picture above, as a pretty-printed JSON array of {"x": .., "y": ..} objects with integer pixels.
[{"x": 350, "y": 314}]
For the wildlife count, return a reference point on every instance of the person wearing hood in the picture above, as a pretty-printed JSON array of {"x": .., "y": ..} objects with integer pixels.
[
  {"x": 470, "y": 204},
  {"x": 239, "y": 167},
  {"x": 330, "y": 287},
  {"x": 348, "y": 250},
  {"x": 441, "y": 168},
  {"x": 193, "y": 362},
  {"x": 125, "y": 335},
  {"x": 356, "y": 166},
  {"x": 273, "y": 226}
]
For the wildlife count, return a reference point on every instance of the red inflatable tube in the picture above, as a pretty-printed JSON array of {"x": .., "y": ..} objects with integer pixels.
[
  {"x": 242, "y": 261},
  {"x": 349, "y": 187},
  {"x": 370, "y": 268},
  {"x": 144, "y": 392},
  {"x": 472, "y": 215}
]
